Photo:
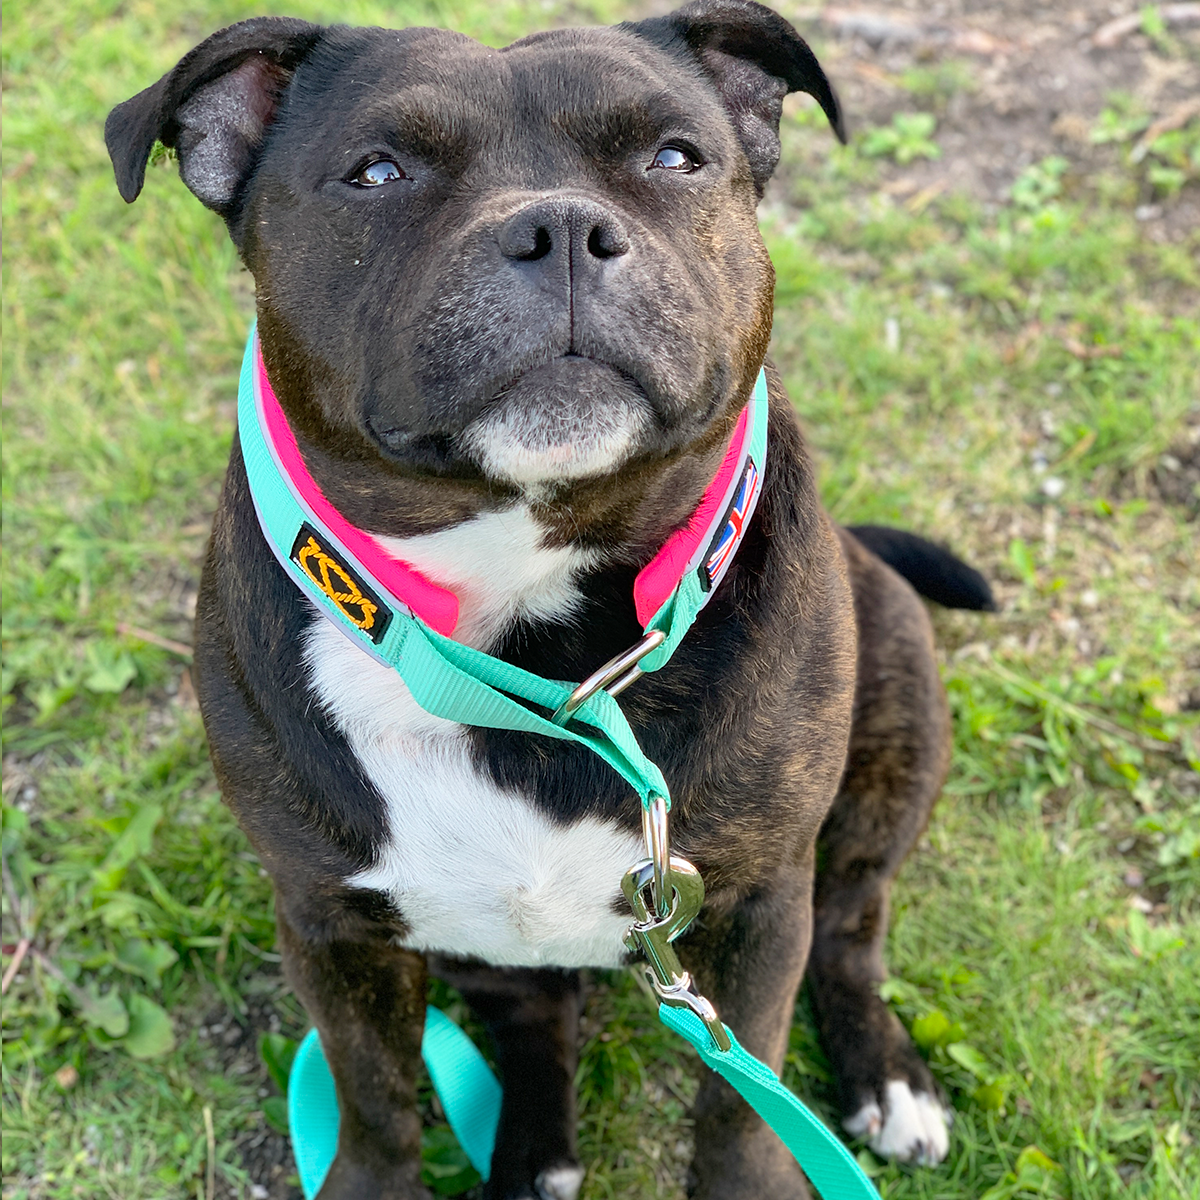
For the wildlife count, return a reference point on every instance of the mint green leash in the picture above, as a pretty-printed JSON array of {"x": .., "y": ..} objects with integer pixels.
[
  {"x": 467, "y": 686},
  {"x": 469, "y": 1092}
]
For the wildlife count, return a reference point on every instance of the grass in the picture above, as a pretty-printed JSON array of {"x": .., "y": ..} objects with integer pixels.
[{"x": 1007, "y": 379}]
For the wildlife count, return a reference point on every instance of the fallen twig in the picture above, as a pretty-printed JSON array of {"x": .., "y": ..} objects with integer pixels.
[
  {"x": 1177, "y": 118},
  {"x": 13, "y": 967},
  {"x": 24, "y": 941},
  {"x": 155, "y": 639},
  {"x": 1079, "y": 350},
  {"x": 1111, "y": 32},
  {"x": 210, "y": 1172},
  {"x": 878, "y": 27}
]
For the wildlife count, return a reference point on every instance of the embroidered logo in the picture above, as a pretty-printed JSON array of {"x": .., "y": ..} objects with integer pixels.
[
  {"x": 725, "y": 544},
  {"x": 354, "y": 600}
]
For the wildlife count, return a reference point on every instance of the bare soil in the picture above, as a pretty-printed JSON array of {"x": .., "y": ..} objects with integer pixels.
[
  {"x": 1012, "y": 82},
  {"x": 264, "y": 1153}
]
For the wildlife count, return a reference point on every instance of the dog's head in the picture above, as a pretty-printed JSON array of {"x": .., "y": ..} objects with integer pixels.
[{"x": 536, "y": 267}]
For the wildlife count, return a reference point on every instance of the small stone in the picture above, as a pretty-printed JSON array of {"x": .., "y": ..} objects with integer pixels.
[
  {"x": 1133, "y": 878},
  {"x": 1053, "y": 487},
  {"x": 66, "y": 1077},
  {"x": 1147, "y": 212},
  {"x": 258, "y": 1192},
  {"x": 1170, "y": 463},
  {"x": 1089, "y": 599},
  {"x": 1141, "y": 904},
  {"x": 1126, "y": 844}
]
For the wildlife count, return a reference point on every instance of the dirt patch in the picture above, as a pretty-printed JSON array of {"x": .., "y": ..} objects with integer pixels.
[
  {"x": 263, "y": 1153},
  {"x": 267, "y": 1157},
  {"x": 1014, "y": 82},
  {"x": 1175, "y": 478}
]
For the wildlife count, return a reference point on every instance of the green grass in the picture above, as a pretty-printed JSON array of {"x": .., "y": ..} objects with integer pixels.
[{"x": 947, "y": 361}]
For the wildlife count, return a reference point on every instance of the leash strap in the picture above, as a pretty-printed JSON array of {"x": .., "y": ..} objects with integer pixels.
[
  {"x": 830, "y": 1167},
  {"x": 469, "y": 1092},
  {"x": 471, "y": 1095},
  {"x": 460, "y": 684}
]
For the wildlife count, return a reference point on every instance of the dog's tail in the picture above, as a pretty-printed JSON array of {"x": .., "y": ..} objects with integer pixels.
[{"x": 932, "y": 570}]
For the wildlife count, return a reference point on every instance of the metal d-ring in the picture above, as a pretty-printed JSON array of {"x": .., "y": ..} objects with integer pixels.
[{"x": 615, "y": 676}]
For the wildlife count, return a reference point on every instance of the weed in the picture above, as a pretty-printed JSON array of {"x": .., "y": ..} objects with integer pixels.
[
  {"x": 909, "y": 136},
  {"x": 1039, "y": 184},
  {"x": 1165, "y": 154},
  {"x": 938, "y": 82}
]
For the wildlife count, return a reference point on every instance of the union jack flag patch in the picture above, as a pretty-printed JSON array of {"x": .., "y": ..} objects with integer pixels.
[{"x": 723, "y": 547}]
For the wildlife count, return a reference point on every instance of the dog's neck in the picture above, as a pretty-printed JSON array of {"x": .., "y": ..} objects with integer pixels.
[{"x": 499, "y": 566}]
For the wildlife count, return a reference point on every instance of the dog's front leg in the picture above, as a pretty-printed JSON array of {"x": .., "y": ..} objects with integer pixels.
[
  {"x": 749, "y": 961},
  {"x": 532, "y": 1017},
  {"x": 367, "y": 998}
]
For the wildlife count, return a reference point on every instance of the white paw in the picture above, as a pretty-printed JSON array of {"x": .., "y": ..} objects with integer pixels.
[
  {"x": 559, "y": 1183},
  {"x": 913, "y": 1128}
]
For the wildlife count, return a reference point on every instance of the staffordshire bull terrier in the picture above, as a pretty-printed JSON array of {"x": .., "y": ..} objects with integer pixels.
[{"x": 511, "y": 303}]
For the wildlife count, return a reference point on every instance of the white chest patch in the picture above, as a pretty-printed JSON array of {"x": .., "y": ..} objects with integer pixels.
[{"x": 473, "y": 868}]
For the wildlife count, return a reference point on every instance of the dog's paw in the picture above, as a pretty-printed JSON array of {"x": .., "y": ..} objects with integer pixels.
[
  {"x": 559, "y": 1183},
  {"x": 909, "y": 1126}
]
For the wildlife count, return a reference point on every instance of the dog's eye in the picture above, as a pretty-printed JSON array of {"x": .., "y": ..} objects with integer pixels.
[
  {"x": 675, "y": 158},
  {"x": 379, "y": 172}
]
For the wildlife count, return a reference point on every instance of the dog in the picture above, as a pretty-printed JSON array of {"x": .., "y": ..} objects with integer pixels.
[{"x": 511, "y": 303}]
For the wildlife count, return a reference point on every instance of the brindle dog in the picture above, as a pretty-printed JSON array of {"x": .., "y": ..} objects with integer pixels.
[{"x": 511, "y": 303}]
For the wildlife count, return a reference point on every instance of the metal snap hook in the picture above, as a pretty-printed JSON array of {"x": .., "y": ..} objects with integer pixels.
[
  {"x": 653, "y": 935},
  {"x": 656, "y": 831}
]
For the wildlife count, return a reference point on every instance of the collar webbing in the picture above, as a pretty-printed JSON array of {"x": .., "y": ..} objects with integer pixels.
[
  {"x": 704, "y": 547},
  {"x": 446, "y": 678},
  {"x": 337, "y": 568}
]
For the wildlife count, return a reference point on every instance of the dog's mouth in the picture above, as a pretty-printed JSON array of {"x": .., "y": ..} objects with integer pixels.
[{"x": 570, "y": 418}]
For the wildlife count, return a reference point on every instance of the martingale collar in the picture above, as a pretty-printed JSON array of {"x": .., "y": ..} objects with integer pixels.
[{"x": 363, "y": 588}]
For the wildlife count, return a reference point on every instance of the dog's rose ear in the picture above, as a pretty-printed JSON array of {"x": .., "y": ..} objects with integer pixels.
[
  {"x": 754, "y": 57},
  {"x": 213, "y": 109}
]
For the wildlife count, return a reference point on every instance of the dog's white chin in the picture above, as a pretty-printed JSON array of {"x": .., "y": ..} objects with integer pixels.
[{"x": 557, "y": 442}]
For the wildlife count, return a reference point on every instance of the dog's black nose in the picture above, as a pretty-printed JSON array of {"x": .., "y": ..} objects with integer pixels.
[{"x": 563, "y": 225}]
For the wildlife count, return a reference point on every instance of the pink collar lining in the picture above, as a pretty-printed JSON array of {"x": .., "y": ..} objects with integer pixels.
[{"x": 437, "y": 606}]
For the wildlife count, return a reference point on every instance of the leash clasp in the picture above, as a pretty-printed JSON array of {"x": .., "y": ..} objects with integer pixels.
[{"x": 653, "y": 934}]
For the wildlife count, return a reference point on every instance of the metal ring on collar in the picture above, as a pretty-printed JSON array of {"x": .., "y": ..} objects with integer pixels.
[{"x": 615, "y": 676}]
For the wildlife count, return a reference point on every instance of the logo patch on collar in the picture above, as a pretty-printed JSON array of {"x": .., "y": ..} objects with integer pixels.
[
  {"x": 723, "y": 547},
  {"x": 354, "y": 600}
]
